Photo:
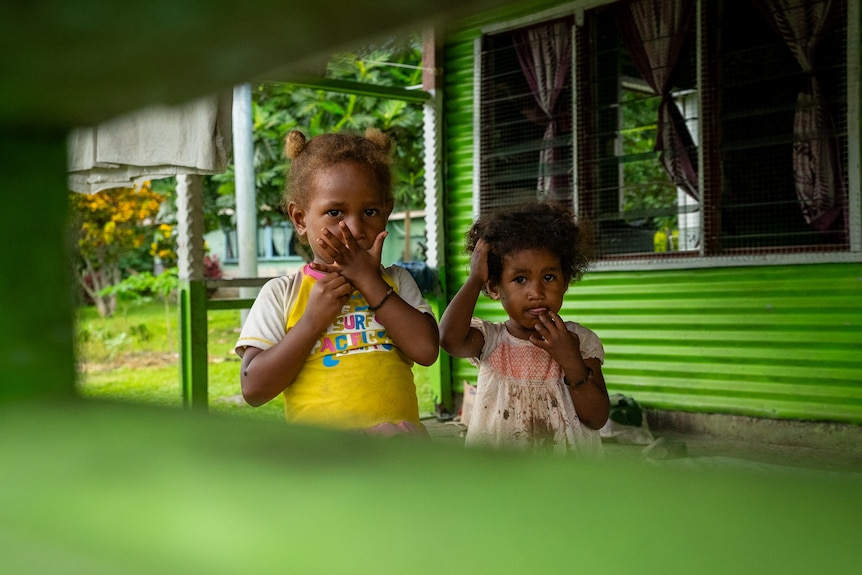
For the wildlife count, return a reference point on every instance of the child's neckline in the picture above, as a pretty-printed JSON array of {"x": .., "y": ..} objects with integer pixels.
[
  {"x": 512, "y": 335},
  {"x": 311, "y": 272}
]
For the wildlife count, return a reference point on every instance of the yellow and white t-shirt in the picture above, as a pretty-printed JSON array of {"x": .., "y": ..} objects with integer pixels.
[{"x": 355, "y": 377}]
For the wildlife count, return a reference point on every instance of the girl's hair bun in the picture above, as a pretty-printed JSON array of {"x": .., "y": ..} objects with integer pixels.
[
  {"x": 294, "y": 144},
  {"x": 379, "y": 139}
]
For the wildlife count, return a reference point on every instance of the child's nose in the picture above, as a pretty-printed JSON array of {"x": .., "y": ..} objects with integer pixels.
[
  {"x": 536, "y": 289},
  {"x": 354, "y": 224}
]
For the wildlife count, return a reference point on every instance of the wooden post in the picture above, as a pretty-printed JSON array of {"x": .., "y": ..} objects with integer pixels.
[
  {"x": 406, "y": 256},
  {"x": 192, "y": 291}
]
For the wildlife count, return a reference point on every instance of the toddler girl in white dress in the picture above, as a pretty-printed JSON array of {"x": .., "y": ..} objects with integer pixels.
[{"x": 540, "y": 383}]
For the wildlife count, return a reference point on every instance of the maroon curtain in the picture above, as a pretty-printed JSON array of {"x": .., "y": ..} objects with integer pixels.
[
  {"x": 654, "y": 32},
  {"x": 545, "y": 55},
  {"x": 803, "y": 24}
]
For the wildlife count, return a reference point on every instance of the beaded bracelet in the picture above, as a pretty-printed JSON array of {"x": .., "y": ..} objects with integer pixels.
[
  {"x": 383, "y": 301},
  {"x": 582, "y": 382}
]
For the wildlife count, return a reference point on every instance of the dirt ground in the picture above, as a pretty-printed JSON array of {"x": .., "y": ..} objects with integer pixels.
[
  {"x": 704, "y": 451},
  {"x": 131, "y": 361}
]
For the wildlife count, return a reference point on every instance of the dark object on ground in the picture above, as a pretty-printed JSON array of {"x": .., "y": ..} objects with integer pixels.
[{"x": 625, "y": 410}]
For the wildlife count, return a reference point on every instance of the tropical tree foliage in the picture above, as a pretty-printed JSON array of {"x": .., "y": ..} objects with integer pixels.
[
  {"x": 278, "y": 108},
  {"x": 109, "y": 226}
]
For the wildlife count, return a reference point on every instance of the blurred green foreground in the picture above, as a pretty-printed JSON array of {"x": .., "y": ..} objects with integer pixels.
[{"x": 95, "y": 488}]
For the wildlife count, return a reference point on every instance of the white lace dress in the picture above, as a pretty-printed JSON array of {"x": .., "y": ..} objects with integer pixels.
[{"x": 521, "y": 400}]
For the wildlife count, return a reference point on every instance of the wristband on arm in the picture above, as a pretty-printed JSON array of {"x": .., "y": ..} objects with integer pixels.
[
  {"x": 586, "y": 378},
  {"x": 383, "y": 301}
]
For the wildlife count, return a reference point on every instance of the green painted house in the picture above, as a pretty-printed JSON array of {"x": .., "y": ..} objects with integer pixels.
[{"x": 712, "y": 149}]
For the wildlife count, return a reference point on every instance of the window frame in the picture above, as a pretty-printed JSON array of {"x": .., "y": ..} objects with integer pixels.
[{"x": 700, "y": 258}]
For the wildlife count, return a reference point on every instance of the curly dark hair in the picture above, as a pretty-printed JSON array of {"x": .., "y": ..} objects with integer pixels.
[
  {"x": 307, "y": 157},
  {"x": 531, "y": 226}
]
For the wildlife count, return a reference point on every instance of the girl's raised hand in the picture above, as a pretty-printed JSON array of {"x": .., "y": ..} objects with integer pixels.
[
  {"x": 348, "y": 258},
  {"x": 479, "y": 261},
  {"x": 562, "y": 345}
]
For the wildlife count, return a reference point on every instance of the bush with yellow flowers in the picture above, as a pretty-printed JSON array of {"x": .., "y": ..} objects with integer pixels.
[{"x": 107, "y": 226}]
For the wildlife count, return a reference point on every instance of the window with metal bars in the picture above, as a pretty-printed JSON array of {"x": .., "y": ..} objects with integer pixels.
[
  {"x": 672, "y": 135},
  {"x": 780, "y": 106},
  {"x": 526, "y": 145}
]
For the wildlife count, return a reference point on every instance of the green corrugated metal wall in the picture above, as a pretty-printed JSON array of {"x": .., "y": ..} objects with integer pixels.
[{"x": 769, "y": 341}]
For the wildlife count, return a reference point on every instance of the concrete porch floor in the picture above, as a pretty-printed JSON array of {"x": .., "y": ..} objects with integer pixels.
[{"x": 717, "y": 441}]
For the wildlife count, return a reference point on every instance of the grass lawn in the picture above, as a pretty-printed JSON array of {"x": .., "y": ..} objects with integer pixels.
[{"x": 133, "y": 357}]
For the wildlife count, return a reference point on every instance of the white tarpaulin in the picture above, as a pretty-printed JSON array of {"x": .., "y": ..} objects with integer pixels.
[{"x": 152, "y": 143}]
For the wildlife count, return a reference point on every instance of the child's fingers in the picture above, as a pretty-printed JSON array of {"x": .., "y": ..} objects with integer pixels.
[
  {"x": 546, "y": 323},
  {"x": 327, "y": 252},
  {"x": 481, "y": 249},
  {"x": 347, "y": 237},
  {"x": 330, "y": 243},
  {"x": 377, "y": 247},
  {"x": 479, "y": 258},
  {"x": 325, "y": 268},
  {"x": 335, "y": 283},
  {"x": 556, "y": 322},
  {"x": 551, "y": 332},
  {"x": 538, "y": 341},
  {"x": 343, "y": 290}
]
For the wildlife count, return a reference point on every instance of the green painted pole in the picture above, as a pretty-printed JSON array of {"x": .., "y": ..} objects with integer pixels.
[
  {"x": 438, "y": 374},
  {"x": 193, "y": 343},
  {"x": 192, "y": 292},
  {"x": 37, "y": 358}
]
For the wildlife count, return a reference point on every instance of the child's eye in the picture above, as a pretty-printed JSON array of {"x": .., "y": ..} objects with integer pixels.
[
  {"x": 371, "y": 212},
  {"x": 333, "y": 213},
  {"x": 519, "y": 280},
  {"x": 550, "y": 277}
]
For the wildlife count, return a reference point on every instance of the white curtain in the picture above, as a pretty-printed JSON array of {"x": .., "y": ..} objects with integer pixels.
[{"x": 153, "y": 143}]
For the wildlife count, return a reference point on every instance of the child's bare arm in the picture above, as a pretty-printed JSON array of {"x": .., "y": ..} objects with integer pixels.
[
  {"x": 414, "y": 332},
  {"x": 591, "y": 396},
  {"x": 457, "y": 337},
  {"x": 266, "y": 373},
  {"x": 584, "y": 378}
]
